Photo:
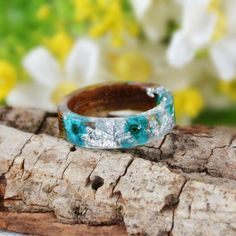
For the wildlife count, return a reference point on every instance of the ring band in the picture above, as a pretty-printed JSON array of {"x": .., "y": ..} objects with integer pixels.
[{"x": 83, "y": 122}]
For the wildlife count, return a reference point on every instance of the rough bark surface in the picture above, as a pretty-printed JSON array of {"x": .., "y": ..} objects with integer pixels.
[{"x": 184, "y": 184}]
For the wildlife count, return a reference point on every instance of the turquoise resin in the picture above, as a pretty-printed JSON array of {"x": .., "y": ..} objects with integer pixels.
[
  {"x": 121, "y": 132},
  {"x": 137, "y": 126},
  {"x": 76, "y": 129}
]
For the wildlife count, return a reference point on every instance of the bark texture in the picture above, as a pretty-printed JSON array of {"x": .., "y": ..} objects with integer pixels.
[{"x": 184, "y": 184}]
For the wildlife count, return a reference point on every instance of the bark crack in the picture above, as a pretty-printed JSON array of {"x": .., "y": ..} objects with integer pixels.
[
  {"x": 67, "y": 156},
  {"x": 212, "y": 152},
  {"x": 87, "y": 182},
  {"x": 202, "y": 136},
  {"x": 174, "y": 209},
  {"x": 63, "y": 172},
  {"x": 20, "y": 152},
  {"x": 45, "y": 116},
  {"x": 45, "y": 208},
  {"x": 190, "y": 208},
  {"x": 231, "y": 141},
  {"x": 163, "y": 140},
  {"x": 122, "y": 175},
  {"x": 220, "y": 147},
  {"x": 161, "y": 144},
  {"x": 41, "y": 125},
  {"x": 26, "y": 174},
  {"x": 38, "y": 158}
]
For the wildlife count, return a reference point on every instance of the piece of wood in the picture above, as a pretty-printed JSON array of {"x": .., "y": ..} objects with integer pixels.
[{"x": 184, "y": 184}]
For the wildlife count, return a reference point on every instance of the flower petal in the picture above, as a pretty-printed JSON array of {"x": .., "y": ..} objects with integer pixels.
[
  {"x": 230, "y": 13},
  {"x": 31, "y": 95},
  {"x": 202, "y": 3},
  {"x": 42, "y": 66},
  {"x": 154, "y": 16},
  {"x": 83, "y": 62},
  {"x": 140, "y": 7},
  {"x": 198, "y": 22},
  {"x": 181, "y": 50},
  {"x": 155, "y": 21},
  {"x": 197, "y": 31},
  {"x": 223, "y": 55}
]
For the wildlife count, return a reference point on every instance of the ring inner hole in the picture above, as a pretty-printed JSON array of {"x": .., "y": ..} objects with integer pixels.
[{"x": 103, "y": 100}]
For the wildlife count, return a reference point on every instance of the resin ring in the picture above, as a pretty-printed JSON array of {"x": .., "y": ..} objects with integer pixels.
[{"x": 83, "y": 119}]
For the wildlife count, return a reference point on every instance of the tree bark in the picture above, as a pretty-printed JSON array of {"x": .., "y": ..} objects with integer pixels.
[{"x": 184, "y": 184}]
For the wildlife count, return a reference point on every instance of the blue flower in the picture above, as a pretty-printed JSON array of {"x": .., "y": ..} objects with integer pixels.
[
  {"x": 75, "y": 129},
  {"x": 137, "y": 127}
]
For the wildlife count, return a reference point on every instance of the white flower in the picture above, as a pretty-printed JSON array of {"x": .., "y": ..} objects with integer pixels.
[
  {"x": 50, "y": 81},
  {"x": 154, "y": 16},
  {"x": 207, "y": 24}
]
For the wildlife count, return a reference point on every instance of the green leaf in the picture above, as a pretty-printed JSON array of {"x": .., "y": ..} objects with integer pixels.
[{"x": 210, "y": 117}]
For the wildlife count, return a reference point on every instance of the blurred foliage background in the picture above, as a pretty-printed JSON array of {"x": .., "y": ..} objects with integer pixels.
[{"x": 49, "y": 48}]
